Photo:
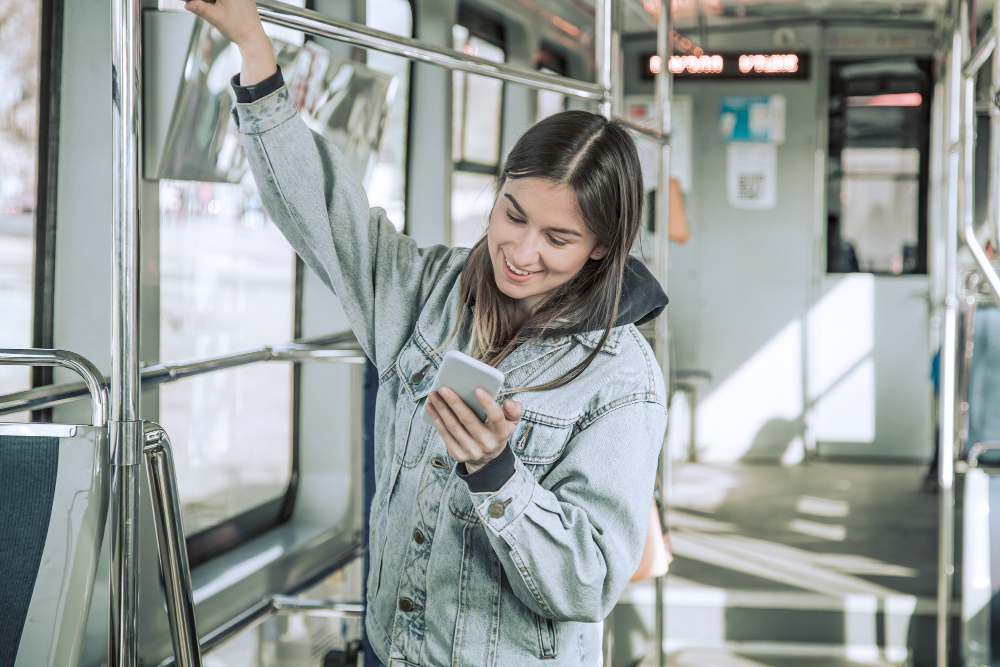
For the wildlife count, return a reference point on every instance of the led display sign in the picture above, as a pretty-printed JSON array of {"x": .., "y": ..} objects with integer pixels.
[{"x": 747, "y": 65}]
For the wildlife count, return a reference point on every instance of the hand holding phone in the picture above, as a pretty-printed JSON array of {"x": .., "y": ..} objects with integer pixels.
[
  {"x": 458, "y": 405},
  {"x": 463, "y": 375}
]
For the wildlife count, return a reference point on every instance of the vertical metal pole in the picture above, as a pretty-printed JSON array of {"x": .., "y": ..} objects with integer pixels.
[
  {"x": 946, "y": 436},
  {"x": 994, "y": 174},
  {"x": 664, "y": 95},
  {"x": 125, "y": 430},
  {"x": 602, "y": 53}
]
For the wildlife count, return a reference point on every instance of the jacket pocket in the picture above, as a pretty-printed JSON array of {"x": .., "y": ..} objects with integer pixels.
[
  {"x": 539, "y": 440},
  {"x": 417, "y": 367}
]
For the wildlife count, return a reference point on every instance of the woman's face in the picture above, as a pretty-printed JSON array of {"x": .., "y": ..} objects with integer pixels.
[{"x": 537, "y": 239}]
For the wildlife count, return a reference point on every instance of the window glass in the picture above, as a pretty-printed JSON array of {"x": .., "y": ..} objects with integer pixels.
[
  {"x": 478, "y": 103},
  {"x": 227, "y": 283},
  {"x": 549, "y": 102},
  {"x": 387, "y": 185},
  {"x": 879, "y": 136},
  {"x": 19, "y": 71},
  {"x": 477, "y": 109}
]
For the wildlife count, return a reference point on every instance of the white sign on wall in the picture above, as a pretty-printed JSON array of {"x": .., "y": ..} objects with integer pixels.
[{"x": 751, "y": 176}]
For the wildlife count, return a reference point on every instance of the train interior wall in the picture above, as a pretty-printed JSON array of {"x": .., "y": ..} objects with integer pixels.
[{"x": 801, "y": 361}]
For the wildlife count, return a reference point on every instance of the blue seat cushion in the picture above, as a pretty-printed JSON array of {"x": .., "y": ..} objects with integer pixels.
[{"x": 28, "y": 469}]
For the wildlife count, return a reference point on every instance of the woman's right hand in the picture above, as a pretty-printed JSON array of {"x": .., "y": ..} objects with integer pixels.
[{"x": 239, "y": 22}]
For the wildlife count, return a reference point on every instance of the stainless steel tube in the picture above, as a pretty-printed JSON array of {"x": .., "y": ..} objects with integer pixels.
[
  {"x": 125, "y": 431},
  {"x": 171, "y": 546},
  {"x": 93, "y": 381},
  {"x": 664, "y": 99},
  {"x": 321, "y": 25},
  {"x": 293, "y": 604},
  {"x": 946, "y": 420},
  {"x": 603, "y": 55},
  {"x": 982, "y": 53},
  {"x": 647, "y": 133},
  {"x": 342, "y": 347},
  {"x": 994, "y": 173},
  {"x": 967, "y": 226}
]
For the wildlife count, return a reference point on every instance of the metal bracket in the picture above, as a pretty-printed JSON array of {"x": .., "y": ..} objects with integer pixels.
[
  {"x": 125, "y": 442},
  {"x": 980, "y": 448}
]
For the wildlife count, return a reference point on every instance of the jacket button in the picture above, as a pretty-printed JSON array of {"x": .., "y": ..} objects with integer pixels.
[
  {"x": 406, "y": 604},
  {"x": 417, "y": 377},
  {"x": 496, "y": 510},
  {"x": 418, "y": 537}
]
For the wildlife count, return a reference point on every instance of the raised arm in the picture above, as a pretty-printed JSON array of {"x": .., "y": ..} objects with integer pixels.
[{"x": 380, "y": 276}]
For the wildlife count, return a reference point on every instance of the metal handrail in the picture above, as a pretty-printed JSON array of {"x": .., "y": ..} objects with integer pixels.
[
  {"x": 170, "y": 544},
  {"x": 340, "y": 347},
  {"x": 984, "y": 49},
  {"x": 978, "y": 449},
  {"x": 320, "y": 25},
  {"x": 93, "y": 381},
  {"x": 661, "y": 138}
]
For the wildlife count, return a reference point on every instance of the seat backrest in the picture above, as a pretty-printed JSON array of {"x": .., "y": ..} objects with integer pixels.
[{"x": 54, "y": 490}]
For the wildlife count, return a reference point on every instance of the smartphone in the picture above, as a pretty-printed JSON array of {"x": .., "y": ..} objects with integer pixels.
[{"x": 463, "y": 375}]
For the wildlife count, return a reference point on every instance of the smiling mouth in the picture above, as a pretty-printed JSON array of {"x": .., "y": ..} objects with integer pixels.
[{"x": 517, "y": 271}]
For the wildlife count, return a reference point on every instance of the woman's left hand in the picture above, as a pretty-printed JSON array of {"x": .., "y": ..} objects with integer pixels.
[{"x": 469, "y": 440}]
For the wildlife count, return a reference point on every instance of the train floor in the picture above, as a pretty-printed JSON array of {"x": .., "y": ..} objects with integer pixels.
[{"x": 819, "y": 565}]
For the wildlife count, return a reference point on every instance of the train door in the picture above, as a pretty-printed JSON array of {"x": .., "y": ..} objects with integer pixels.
[{"x": 868, "y": 380}]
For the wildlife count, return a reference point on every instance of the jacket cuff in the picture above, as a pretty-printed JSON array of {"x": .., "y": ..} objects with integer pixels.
[
  {"x": 247, "y": 94},
  {"x": 265, "y": 113},
  {"x": 499, "y": 509},
  {"x": 492, "y": 476}
]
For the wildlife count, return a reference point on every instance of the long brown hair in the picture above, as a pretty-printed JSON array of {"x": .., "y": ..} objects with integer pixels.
[{"x": 597, "y": 159}]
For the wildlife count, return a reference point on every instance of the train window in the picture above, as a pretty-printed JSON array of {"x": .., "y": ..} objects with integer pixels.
[
  {"x": 879, "y": 152},
  {"x": 227, "y": 284},
  {"x": 477, "y": 110},
  {"x": 20, "y": 70},
  {"x": 387, "y": 185},
  {"x": 550, "y": 102}
]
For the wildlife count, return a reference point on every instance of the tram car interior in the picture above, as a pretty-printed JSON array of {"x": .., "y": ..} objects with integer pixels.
[{"x": 187, "y": 420}]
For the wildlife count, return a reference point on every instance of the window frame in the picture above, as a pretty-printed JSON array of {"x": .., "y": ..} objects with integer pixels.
[
  {"x": 46, "y": 191},
  {"x": 834, "y": 177},
  {"x": 409, "y": 115},
  {"x": 493, "y": 31},
  {"x": 554, "y": 60}
]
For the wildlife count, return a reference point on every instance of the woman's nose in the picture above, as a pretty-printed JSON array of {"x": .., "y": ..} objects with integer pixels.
[{"x": 524, "y": 255}]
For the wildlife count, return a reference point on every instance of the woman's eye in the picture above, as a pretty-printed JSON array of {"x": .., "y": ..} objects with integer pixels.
[
  {"x": 516, "y": 221},
  {"x": 556, "y": 242}
]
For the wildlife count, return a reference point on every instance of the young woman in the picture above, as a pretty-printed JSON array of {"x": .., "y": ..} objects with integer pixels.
[{"x": 501, "y": 543}]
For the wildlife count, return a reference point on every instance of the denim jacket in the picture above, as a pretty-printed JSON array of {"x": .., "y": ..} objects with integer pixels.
[{"x": 517, "y": 576}]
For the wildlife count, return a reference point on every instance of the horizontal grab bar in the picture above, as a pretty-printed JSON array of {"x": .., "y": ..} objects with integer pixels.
[
  {"x": 653, "y": 135},
  {"x": 93, "y": 381},
  {"x": 318, "y": 24},
  {"x": 340, "y": 347}
]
